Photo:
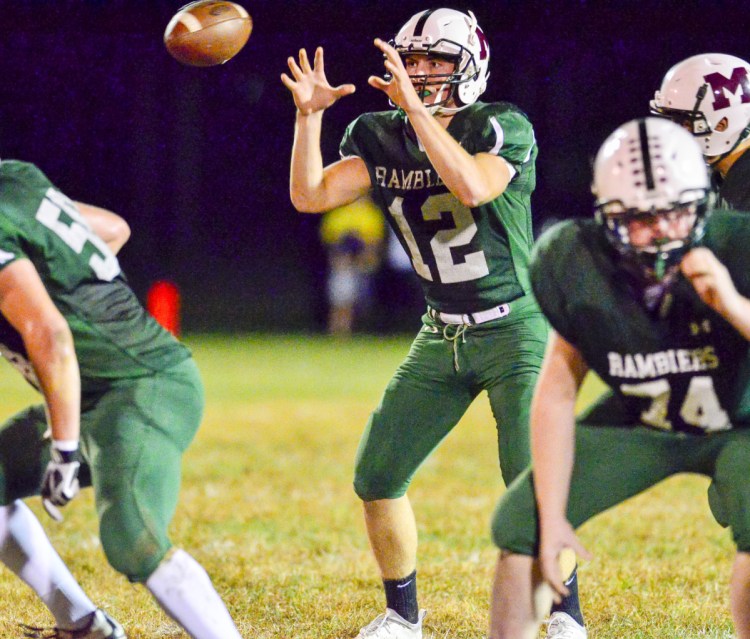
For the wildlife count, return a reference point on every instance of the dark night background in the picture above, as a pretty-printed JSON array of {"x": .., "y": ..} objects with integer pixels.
[{"x": 197, "y": 159}]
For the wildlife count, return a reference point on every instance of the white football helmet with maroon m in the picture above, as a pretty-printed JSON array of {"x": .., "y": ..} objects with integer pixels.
[
  {"x": 455, "y": 36},
  {"x": 709, "y": 95}
]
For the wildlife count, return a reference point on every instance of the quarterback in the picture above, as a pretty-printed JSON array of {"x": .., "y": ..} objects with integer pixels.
[
  {"x": 652, "y": 295},
  {"x": 709, "y": 95},
  {"x": 112, "y": 380},
  {"x": 455, "y": 177}
]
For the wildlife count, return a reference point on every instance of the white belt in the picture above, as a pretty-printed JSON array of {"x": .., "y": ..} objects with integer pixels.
[{"x": 470, "y": 318}]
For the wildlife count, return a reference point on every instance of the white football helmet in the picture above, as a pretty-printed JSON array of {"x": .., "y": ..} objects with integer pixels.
[
  {"x": 648, "y": 168},
  {"x": 456, "y": 36},
  {"x": 709, "y": 95}
]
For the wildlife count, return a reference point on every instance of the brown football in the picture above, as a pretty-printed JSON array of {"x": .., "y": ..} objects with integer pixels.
[{"x": 208, "y": 32}]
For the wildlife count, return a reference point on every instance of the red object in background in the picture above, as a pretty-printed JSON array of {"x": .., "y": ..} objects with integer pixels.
[{"x": 163, "y": 302}]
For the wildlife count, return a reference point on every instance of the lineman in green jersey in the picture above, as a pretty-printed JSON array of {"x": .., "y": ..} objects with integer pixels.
[
  {"x": 455, "y": 176},
  {"x": 653, "y": 297},
  {"x": 111, "y": 378}
]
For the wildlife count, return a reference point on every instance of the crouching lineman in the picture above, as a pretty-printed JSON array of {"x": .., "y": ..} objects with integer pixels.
[
  {"x": 652, "y": 295},
  {"x": 109, "y": 375}
]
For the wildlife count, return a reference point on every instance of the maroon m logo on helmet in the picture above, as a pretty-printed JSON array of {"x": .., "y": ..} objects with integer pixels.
[
  {"x": 721, "y": 86},
  {"x": 484, "y": 49}
]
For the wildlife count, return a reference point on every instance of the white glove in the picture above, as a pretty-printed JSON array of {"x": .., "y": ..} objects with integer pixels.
[{"x": 60, "y": 481}]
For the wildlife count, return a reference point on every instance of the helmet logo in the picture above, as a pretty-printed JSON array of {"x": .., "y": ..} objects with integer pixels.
[
  {"x": 484, "y": 49},
  {"x": 721, "y": 85}
]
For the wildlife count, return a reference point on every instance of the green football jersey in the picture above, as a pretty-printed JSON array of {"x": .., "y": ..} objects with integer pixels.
[
  {"x": 681, "y": 367},
  {"x": 733, "y": 190},
  {"x": 467, "y": 259},
  {"x": 114, "y": 336}
]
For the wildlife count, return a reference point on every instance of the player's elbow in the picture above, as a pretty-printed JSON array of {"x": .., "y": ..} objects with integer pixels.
[
  {"x": 304, "y": 203},
  {"x": 120, "y": 231},
  {"x": 474, "y": 197},
  {"x": 50, "y": 339}
]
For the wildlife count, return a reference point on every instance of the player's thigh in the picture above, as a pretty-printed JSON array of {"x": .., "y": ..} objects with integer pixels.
[
  {"x": 508, "y": 361},
  {"x": 24, "y": 454},
  {"x": 729, "y": 492},
  {"x": 134, "y": 438},
  {"x": 644, "y": 458},
  {"x": 424, "y": 400}
]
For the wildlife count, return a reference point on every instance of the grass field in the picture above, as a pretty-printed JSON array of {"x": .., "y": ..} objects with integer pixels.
[{"x": 267, "y": 507}]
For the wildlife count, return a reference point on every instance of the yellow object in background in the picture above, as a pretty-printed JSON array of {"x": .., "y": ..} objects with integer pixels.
[{"x": 362, "y": 219}]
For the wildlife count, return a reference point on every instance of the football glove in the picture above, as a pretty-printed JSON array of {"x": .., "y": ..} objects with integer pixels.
[{"x": 60, "y": 481}]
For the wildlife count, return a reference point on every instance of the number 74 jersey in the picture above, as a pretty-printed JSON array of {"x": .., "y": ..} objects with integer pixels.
[
  {"x": 467, "y": 259},
  {"x": 679, "y": 367}
]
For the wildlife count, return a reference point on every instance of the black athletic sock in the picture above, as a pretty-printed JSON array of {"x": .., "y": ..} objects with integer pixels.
[
  {"x": 401, "y": 596},
  {"x": 570, "y": 604}
]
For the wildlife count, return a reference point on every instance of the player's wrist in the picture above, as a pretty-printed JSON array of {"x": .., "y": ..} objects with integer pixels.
[{"x": 64, "y": 451}]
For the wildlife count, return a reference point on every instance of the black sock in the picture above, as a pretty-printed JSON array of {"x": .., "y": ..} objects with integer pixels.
[
  {"x": 401, "y": 596},
  {"x": 570, "y": 604}
]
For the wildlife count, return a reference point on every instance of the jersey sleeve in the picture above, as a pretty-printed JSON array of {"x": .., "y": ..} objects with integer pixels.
[
  {"x": 728, "y": 236},
  {"x": 350, "y": 144},
  {"x": 550, "y": 277},
  {"x": 10, "y": 243},
  {"x": 505, "y": 132}
]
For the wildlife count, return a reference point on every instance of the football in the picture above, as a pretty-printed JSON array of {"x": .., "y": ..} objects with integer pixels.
[{"x": 207, "y": 32}]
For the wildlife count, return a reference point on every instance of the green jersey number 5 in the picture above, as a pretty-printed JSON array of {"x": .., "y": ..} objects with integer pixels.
[
  {"x": 76, "y": 233},
  {"x": 434, "y": 207}
]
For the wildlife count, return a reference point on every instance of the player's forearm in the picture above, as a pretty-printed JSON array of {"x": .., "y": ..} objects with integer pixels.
[
  {"x": 553, "y": 426},
  {"x": 52, "y": 353},
  {"x": 738, "y": 315},
  {"x": 306, "y": 187},
  {"x": 553, "y": 451},
  {"x": 459, "y": 170}
]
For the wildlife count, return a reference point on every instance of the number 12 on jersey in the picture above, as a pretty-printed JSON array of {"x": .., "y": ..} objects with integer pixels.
[{"x": 441, "y": 243}]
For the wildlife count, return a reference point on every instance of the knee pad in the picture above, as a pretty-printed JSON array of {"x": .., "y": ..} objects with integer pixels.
[{"x": 132, "y": 548}]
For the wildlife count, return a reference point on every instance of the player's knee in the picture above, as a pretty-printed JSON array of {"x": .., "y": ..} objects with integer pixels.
[
  {"x": 514, "y": 522},
  {"x": 134, "y": 551},
  {"x": 373, "y": 483}
]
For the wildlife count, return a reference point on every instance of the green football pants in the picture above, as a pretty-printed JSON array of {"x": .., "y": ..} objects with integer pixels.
[
  {"x": 644, "y": 458},
  {"x": 430, "y": 391},
  {"x": 133, "y": 436}
]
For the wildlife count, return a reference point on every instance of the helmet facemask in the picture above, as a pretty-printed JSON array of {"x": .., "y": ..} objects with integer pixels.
[
  {"x": 442, "y": 84},
  {"x": 659, "y": 259}
]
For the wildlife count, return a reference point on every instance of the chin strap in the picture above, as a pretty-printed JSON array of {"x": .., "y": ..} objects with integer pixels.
[{"x": 718, "y": 159}]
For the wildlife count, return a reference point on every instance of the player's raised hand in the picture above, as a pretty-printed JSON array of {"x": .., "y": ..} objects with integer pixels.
[
  {"x": 309, "y": 86},
  {"x": 399, "y": 88},
  {"x": 558, "y": 548},
  {"x": 711, "y": 280}
]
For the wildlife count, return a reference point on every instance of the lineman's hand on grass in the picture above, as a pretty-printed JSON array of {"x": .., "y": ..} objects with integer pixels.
[{"x": 557, "y": 556}]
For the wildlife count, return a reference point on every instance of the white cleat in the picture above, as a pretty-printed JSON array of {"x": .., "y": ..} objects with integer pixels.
[
  {"x": 562, "y": 626},
  {"x": 391, "y": 625}
]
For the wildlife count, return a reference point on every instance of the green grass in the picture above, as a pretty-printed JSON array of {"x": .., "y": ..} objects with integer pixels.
[{"x": 267, "y": 507}]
